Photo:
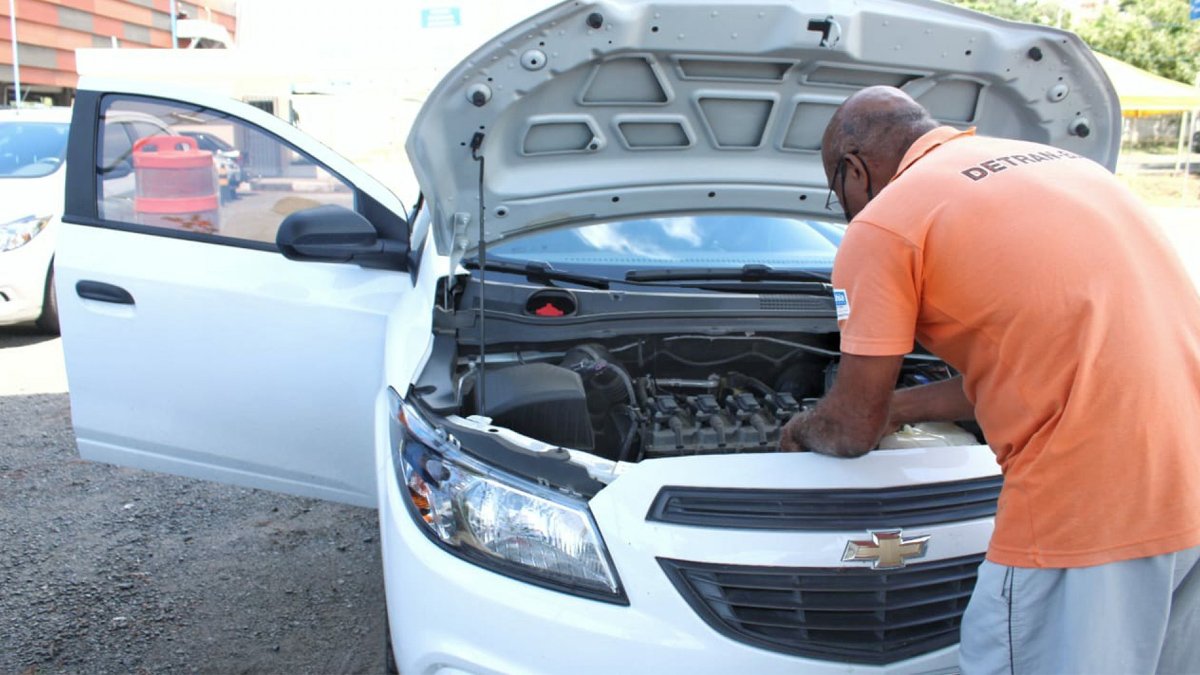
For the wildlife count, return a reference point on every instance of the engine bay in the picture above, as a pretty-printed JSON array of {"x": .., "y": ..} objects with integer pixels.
[{"x": 633, "y": 398}]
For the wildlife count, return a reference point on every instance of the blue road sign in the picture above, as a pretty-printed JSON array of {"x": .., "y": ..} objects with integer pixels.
[{"x": 444, "y": 17}]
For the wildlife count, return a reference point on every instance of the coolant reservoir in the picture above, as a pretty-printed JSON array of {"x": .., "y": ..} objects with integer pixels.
[{"x": 927, "y": 435}]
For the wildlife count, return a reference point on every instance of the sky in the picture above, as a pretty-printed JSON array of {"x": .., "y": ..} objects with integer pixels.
[{"x": 424, "y": 34}]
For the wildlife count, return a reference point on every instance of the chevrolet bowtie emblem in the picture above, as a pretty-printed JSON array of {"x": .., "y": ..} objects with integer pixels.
[{"x": 887, "y": 549}]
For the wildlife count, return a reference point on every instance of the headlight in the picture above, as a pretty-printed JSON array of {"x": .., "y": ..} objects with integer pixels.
[
  {"x": 17, "y": 233},
  {"x": 496, "y": 520}
]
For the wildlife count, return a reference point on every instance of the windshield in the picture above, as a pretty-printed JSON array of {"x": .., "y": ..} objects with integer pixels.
[
  {"x": 725, "y": 240},
  {"x": 31, "y": 149}
]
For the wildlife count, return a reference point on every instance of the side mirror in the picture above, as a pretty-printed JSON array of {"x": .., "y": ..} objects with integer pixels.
[{"x": 331, "y": 233}]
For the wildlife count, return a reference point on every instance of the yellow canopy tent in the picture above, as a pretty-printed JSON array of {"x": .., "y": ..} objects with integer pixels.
[{"x": 1143, "y": 93}]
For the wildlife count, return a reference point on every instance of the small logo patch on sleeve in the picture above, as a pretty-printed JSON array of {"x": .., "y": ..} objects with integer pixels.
[{"x": 842, "y": 303}]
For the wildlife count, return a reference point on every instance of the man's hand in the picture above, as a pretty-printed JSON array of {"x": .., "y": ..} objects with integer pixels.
[
  {"x": 849, "y": 421},
  {"x": 790, "y": 434}
]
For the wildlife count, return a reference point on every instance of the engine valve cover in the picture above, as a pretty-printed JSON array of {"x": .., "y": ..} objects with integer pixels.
[{"x": 742, "y": 422}]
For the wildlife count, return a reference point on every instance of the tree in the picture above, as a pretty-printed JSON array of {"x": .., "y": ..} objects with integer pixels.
[
  {"x": 1154, "y": 35},
  {"x": 1031, "y": 11}
]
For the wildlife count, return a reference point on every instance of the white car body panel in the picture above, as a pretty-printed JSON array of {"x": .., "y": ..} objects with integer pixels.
[
  {"x": 225, "y": 367},
  {"x": 621, "y": 508},
  {"x": 234, "y": 364}
]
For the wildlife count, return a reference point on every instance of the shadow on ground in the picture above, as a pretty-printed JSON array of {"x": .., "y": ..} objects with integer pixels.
[{"x": 20, "y": 336}]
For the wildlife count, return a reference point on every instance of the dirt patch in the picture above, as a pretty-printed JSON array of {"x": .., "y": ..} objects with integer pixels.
[{"x": 1165, "y": 189}]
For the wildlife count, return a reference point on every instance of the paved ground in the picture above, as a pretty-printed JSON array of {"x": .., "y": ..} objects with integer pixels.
[
  {"x": 1143, "y": 162},
  {"x": 256, "y": 214},
  {"x": 1182, "y": 226},
  {"x": 108, "y": 570}
]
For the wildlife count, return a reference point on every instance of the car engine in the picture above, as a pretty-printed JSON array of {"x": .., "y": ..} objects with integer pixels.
[{"x": 664, "y": 397}]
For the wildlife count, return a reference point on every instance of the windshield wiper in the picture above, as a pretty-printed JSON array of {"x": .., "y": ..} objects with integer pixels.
[
  {"x": 538, "y": 273},
  {"x": 744, "y": 273},
  {"x": 758, "y": 287},
  {"x": 777, "y": 280}
]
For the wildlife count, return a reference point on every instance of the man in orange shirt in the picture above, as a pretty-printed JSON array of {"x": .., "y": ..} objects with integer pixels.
[{"x": 1076, "y": 330}]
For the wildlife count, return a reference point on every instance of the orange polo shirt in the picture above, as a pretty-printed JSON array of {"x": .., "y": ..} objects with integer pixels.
[{"x": 1039, "y": 277}]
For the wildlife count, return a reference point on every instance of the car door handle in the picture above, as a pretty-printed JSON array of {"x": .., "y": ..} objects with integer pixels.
[{"x": 102, "y": 292}]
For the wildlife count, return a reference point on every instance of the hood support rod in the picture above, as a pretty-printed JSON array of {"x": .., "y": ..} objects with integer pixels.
[{"x": 481, "y": 402}]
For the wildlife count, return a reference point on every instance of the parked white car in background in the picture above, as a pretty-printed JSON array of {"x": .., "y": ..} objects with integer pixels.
[
  {"x": 561, "y": 375},
  {"x": 33, "y": 147}
]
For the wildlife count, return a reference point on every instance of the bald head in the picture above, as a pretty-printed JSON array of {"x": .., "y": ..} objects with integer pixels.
[{"x": 878, "y": 124}]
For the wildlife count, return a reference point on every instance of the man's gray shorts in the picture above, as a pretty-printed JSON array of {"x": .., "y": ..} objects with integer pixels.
[{"x": 1133, "y": 616}]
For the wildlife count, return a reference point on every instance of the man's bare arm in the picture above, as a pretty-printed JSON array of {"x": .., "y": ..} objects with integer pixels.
[
  {"x": 850, "y": 420},
  {"x": 942, "y": 401}
]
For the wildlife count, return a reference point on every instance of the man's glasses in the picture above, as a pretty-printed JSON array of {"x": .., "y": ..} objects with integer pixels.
[{"x": 831, "y": 198}]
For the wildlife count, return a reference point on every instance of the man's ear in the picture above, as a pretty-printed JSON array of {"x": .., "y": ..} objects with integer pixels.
[{"x": 855, "y": 169}]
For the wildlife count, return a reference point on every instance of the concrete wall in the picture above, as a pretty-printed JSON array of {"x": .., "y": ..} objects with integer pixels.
[{"x": 49, "y": 31}]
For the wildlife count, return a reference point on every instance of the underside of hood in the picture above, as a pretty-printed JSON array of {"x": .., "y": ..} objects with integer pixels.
[{"x": 597, "y": 111}]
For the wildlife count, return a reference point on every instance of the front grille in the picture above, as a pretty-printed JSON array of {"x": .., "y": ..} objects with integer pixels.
[
  {"x": 828, "y": 510},
  {"x": 846, "y": 614}
]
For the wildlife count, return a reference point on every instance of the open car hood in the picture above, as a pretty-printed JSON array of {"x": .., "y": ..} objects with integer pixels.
[{"x": 601, "y": 110}]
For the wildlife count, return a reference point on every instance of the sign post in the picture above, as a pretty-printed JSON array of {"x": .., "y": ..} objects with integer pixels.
[{"x": 16, "y": 62}]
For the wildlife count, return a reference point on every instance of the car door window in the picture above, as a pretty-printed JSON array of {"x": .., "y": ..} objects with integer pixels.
[
  {"x": 143, "y": 129},
  {"x": 116, "y": 148},
  {"x": 169, "y": 179}
]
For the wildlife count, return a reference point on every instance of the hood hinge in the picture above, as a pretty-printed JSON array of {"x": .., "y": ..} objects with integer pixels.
[{"x": 451, "y": 238}]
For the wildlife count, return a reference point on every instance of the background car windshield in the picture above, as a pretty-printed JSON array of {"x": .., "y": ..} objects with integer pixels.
[
  {"x": 31, "y": 149},
  {"x": 684, "y": 241}
]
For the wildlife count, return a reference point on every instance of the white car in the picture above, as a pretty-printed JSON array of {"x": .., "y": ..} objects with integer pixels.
[
  {"x": 561, "y": 376},
  {"x": 33, "y": 145}
]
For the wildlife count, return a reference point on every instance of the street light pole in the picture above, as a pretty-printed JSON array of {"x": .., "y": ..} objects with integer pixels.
[
  {"x": 12, "y": 24},
  {"x": 174, "y": 26}
]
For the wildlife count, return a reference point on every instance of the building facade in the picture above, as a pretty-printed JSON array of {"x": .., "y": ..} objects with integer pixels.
[{"x": 49, "y": 31}]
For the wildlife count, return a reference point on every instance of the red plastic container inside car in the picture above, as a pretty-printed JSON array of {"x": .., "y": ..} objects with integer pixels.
[
  {"x": 173, "y": 166},
  {"x": 176, "y": 184}
]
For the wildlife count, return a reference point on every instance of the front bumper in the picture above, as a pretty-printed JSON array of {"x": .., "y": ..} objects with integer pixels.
[
  {"x": 448, "y": 615},
  {"x": 23, "y": 273}
]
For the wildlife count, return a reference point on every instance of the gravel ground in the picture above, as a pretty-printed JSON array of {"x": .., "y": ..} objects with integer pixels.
[{"x": 111, "y": 570}]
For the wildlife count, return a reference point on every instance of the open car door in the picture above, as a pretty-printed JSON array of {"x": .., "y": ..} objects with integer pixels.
[{"x": 193, "y": 345}]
